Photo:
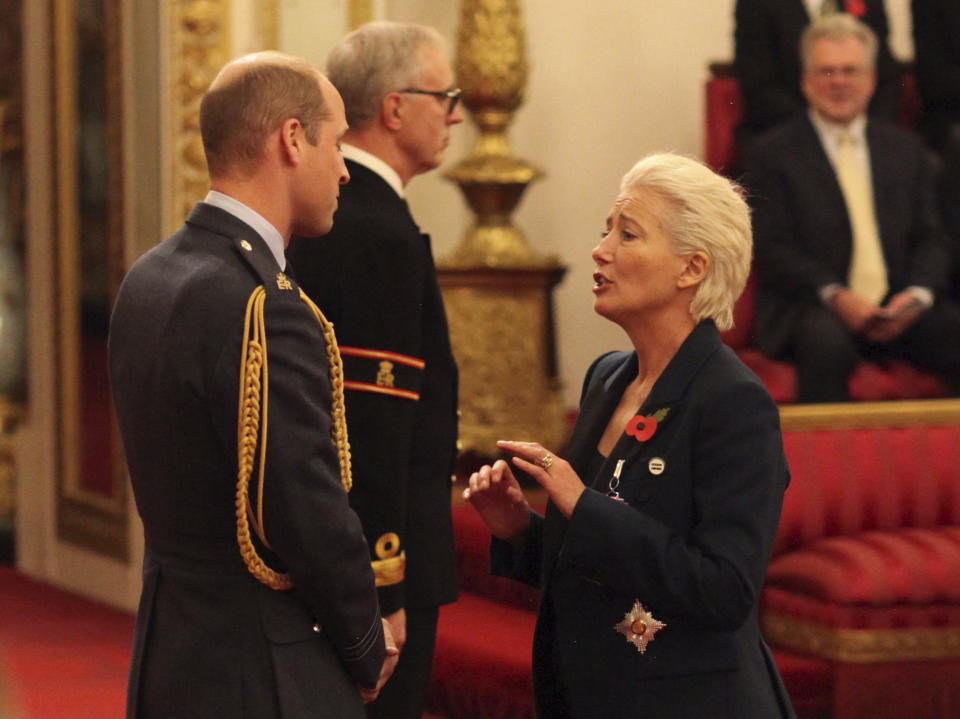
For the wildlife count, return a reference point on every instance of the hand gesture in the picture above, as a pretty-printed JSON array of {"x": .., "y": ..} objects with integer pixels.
[
  {"x": 554, "y": 474},
  {"x": 496, "y": 495}
]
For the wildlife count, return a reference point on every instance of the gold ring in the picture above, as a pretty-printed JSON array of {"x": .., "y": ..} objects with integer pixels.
[{"x": 546, "y": 461}]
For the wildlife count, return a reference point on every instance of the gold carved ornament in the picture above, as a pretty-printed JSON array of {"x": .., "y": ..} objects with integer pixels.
[{"x": 252, "y": 429}]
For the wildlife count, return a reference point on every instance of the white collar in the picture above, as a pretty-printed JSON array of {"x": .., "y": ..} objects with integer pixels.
[
  {"x": 270, "y": 234},
  {"x": 374, "y": 164}
]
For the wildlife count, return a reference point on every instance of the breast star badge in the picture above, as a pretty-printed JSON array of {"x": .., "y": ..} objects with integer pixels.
[{"x": 639, "y": 626}]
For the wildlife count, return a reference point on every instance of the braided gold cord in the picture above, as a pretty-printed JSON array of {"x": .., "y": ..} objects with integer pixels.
[
  {"x": 253, "y": 363},
  {"x": 339, "y": 430}
]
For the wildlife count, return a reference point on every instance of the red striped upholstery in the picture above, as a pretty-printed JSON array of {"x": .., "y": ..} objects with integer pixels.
[{"x": 849, "y": 481}]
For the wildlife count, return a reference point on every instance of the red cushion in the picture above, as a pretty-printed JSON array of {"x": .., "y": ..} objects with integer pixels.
[
  {"x": 848, "y": 481},
  {"x": 875, "y": 569}
]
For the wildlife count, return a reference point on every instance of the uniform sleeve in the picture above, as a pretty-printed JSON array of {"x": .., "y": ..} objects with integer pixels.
[
  {"x": 307, "y": 519},
  {"x": 712, "y": 574},
  {"x": 379, "y": 332}
]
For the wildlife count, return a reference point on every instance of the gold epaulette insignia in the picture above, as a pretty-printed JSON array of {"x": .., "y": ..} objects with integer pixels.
[
  {"x": 385, "y": 375},
  {"x": 391, "y": 566},
  {"x": 283, "y": 283}
]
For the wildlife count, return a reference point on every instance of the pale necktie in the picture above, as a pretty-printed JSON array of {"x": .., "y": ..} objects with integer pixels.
[{"x": 868, "y": 273}]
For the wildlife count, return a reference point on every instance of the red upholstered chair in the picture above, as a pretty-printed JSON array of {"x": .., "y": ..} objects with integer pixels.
[{"x": 866, "y": 568}]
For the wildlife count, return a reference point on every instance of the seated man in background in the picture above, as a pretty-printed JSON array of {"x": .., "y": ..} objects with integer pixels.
[
  {"x": 766, "y": 40},
  {"x": 936, "y": 39},
  {"x": 850, "y": 253}
]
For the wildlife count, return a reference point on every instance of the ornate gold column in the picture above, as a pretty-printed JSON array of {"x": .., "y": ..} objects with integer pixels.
[{"x": 497, "y": 290}]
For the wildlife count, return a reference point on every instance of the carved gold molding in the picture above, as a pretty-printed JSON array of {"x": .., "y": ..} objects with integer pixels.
[
  {"x": 861, "y": 645},
  {"x": 492, "y": 72},
  {"x": 870, "y": 415},
  {"x": 501, "y": 331},
  {"x": 89, "y": 514},
  {"x": 198, "y": 45}
]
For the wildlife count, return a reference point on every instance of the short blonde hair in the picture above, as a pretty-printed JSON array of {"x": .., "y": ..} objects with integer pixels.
[{"x": 707, "y": 212}]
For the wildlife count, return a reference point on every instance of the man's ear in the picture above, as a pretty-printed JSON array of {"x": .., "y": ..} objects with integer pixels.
[
  {"x": 695, "y": 269},
  {"x": 391, "y": 111},
  {"x": 291, "y": 140}
]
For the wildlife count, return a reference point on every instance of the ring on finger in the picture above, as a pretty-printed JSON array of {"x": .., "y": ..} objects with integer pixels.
[{"x": 546, "y": 460}]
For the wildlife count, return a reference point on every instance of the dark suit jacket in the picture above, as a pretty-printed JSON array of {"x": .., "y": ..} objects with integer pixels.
[
  {"x": 374, "y": 278},
  {"x": 936, "y": 39},
  {"x": 692, "y": 544},
  {"x": 210, "y": 639},
  {"x": 768, "y": 66},
  {"x": 801, "y": 228}
]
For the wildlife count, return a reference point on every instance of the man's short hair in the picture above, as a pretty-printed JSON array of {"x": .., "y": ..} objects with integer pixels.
[
  {"x": 374, "y": 60},
  {"x": 706, "y": 212},
  {"x": 838, "y": 26},
  {"x": 250, "y": 98}
]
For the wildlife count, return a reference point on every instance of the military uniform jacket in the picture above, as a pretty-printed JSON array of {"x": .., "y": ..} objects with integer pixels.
[
  {"x": 691, "y": 543},
  {"x": 210, "y": 639},
  {"x": 374, "y": 278}
]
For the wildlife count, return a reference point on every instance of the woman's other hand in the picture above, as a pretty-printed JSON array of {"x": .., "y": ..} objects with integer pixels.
[
  {"x": 555, "y": 475},
  {"x": 496, "y": 495}
]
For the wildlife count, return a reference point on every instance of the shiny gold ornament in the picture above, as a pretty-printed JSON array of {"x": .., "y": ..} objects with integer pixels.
[
  {"x": 492, "y": 72},
  {"x": 639, "y": 626},
  {"x": 497, "y": 290}
]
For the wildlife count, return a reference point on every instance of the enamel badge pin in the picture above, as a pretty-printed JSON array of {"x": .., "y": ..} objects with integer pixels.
[{"x": 639, "y": 626}]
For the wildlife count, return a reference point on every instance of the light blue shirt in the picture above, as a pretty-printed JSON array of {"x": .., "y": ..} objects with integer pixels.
[{"x": 270, "y": 234}]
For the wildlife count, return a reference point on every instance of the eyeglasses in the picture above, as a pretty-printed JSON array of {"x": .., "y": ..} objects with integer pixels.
[{"x": 452, "y": 95}]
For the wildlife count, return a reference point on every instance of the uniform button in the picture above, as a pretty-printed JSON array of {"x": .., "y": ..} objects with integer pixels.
[
  {"x": 316, "y": 628},
  {"x": 459, "y": 445},
  {"x": 459, "y": 413},
  {"x": 453, "y": 479}
]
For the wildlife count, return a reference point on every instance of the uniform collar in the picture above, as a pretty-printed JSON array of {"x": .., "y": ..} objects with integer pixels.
[{"x": 270, "y": 234}]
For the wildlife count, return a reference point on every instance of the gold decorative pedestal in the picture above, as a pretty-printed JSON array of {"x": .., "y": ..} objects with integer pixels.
[
  {"x": 497, "y": 290},
  {"x": 501, "y": 328}
]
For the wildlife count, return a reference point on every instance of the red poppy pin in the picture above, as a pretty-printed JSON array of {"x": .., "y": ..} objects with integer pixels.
[
  {"x": 642, "y": 427},
  {"x": 857, "y": 8}
]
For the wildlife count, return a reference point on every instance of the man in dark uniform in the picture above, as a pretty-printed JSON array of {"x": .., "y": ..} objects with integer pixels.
[
  {"x": 197, "y": 322},
  {"x": 374, "y": 278}
]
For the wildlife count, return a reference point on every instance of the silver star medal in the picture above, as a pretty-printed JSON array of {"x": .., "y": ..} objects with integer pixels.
[{"x": 639, "y": 626}]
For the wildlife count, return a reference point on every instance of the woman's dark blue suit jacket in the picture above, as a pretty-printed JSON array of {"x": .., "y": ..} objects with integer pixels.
[{"x": 691, "y": 543}]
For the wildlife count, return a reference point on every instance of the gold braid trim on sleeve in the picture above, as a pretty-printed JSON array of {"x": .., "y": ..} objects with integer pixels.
[{"x": 251, "y": 431}]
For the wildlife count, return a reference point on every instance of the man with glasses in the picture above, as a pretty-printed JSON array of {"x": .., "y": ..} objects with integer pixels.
[
  {"x": 374, "y": 278},
  {"x": 851, "y": 259}
]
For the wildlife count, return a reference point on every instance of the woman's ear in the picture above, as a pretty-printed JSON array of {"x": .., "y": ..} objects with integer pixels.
[{"x": 695, "y": 269}]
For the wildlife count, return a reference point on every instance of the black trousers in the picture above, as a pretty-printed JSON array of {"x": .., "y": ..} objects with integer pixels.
[
  {"x": 404, "y": 696},
  {"x": 826, "y": 352}
]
